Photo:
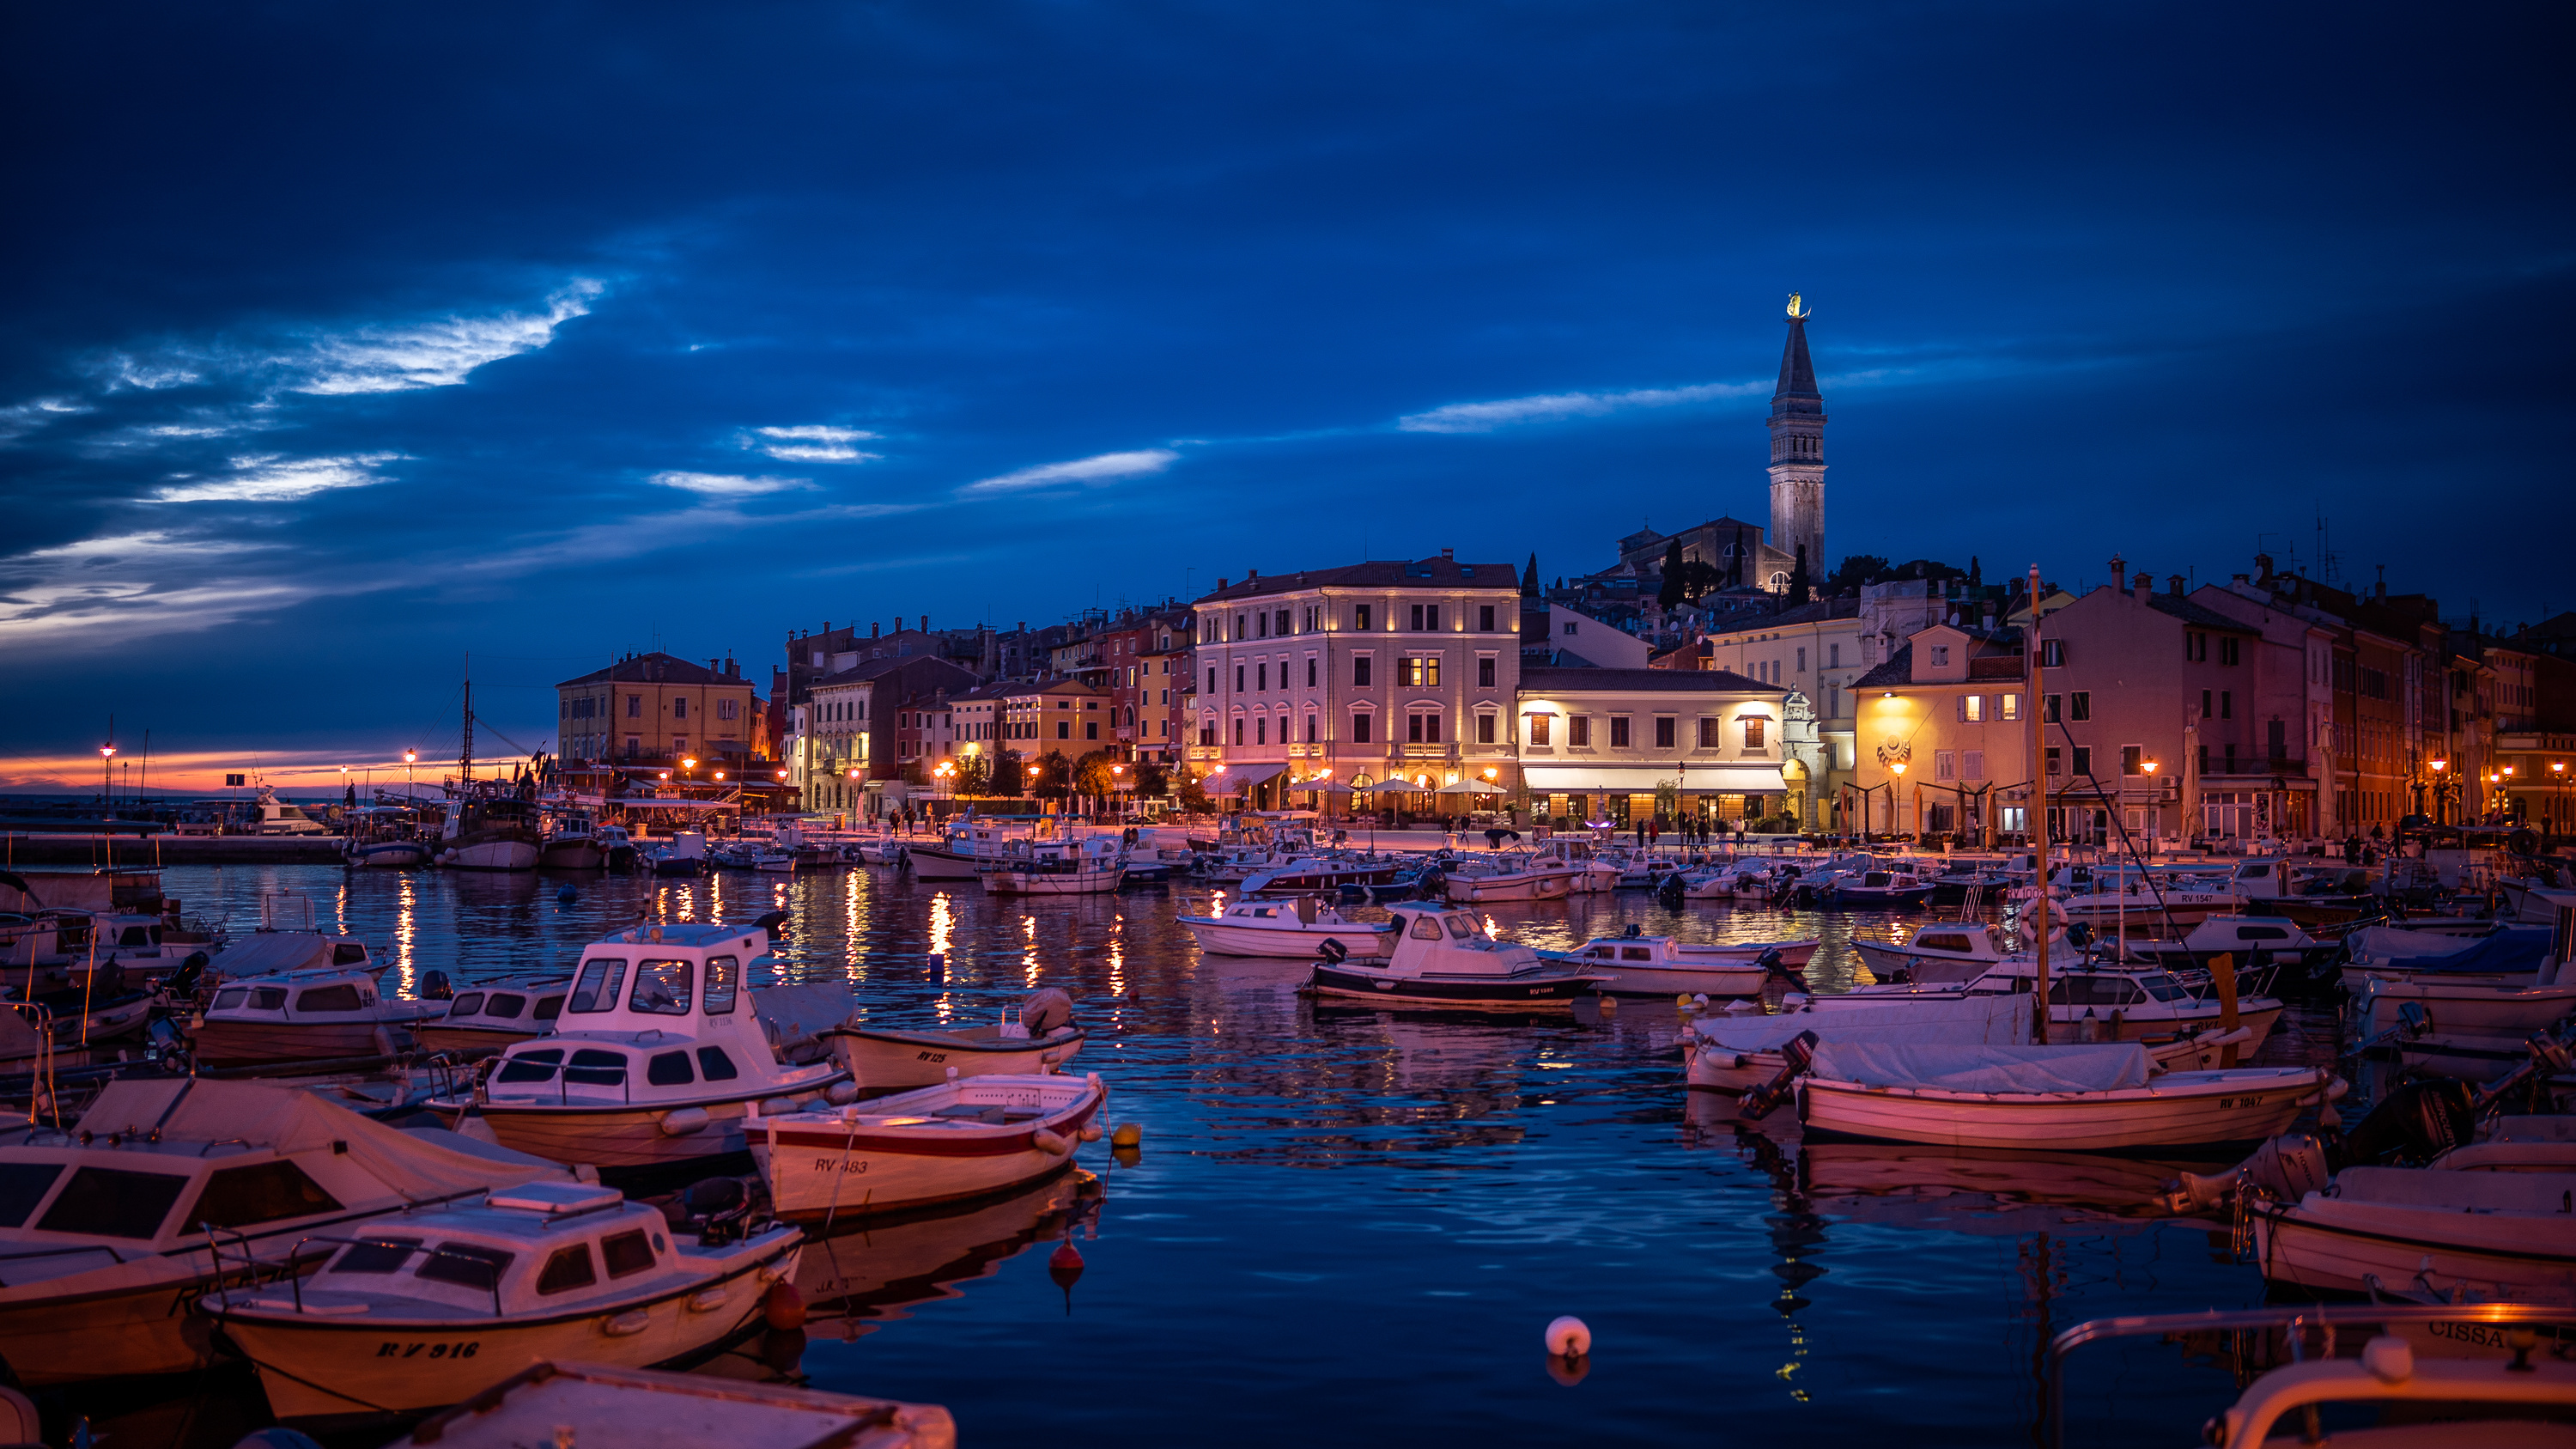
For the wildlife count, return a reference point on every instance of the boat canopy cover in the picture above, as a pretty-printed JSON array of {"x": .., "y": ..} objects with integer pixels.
[
  {"x": 1975, "y": 1020},
  {"x": 2007, "y": 1069},
  {"x": 2513, "y": 951},
  {"x": 274, "y": 953},
  {"x": 2494, "y": 1192},
  {"x": 806, "y": 1009},
  {"x": 18, "y": 1036},
  {"x": 205, "y": 1110}
]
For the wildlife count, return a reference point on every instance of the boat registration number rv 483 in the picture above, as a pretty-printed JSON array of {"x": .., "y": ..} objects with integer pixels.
[
  {"x": 435, "y": 1350},
  {"x": 853, "y": 1167}
]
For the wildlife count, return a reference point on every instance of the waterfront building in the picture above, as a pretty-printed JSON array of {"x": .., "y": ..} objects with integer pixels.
[
  {"x": 656, "y": 709},
  {"x": 1632, "y": 744},
  {"x": 850, "y": 729},
  {"x": 1941, "y": 738},
  {"x": 1375, "y": 671}
]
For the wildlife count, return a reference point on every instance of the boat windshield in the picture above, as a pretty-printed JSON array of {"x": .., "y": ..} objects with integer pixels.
[
  {"x": 661, "y": 988},
  {"x": 595, "y": 989}
]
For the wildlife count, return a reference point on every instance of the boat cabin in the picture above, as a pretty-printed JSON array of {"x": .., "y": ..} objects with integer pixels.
[
  {"x": 1441, "y": 940},
  {"x": 519, "y": 1007},
  {"x": 324, "y": 995},
  {"x": 539, "y": 1248}
]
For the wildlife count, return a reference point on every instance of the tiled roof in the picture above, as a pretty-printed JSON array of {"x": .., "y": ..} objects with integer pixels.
[
  {"x": 1435, "y": 573},
  {"x": 2199, "y": 615},
  {"x": 1545, "y": 680},
  {"x": 1899, "y": 669},
  {"x": 655, "y": 669}
]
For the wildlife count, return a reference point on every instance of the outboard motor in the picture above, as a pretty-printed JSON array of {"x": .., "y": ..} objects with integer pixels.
[
  {"x": 2412, "y": 1125},
  {"x": 434, "y": 987},
  {"x": 716, "y": 1209},
  {"x": 1045, "y": 1010},
  {"x": 1671, "y": 892},
  {"x": 2079, "y": 935},
  {"x": 184, "y": 981}
]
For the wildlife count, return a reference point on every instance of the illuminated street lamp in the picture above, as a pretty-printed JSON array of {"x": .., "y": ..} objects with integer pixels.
[{"x": 106, "y": 771}]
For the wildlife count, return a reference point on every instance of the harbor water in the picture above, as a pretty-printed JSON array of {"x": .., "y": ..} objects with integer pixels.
[{"x": 1348, "y": 1225}]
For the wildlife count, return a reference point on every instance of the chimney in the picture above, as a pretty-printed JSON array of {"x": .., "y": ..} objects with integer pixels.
[
  {"x": 2263, "y": 568},
  {"x": 733, "y": 667},
  {"x": 1449, "y": 553},
  {"x": 2241, "y": 579},
  {"x": 715, "y": 666},
  {"x": 2119, "y": 570},
  {"x": 925, "y": 623},
  {"x": 2144, "y": 586},
  {"x": 875, "y": 630},
  {"x": 827, "y": 626},
  {"x": 1220, "y": 586},
  {"x": 2173, "y": 585}
]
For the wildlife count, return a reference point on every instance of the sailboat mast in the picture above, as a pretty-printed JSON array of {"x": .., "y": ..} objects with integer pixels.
[
  {"x": 2038, "y": 818},
  {"x": 465, "y": 752}
]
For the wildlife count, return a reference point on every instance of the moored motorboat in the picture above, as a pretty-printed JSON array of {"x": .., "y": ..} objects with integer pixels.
[
  {"x": 493, "y": 1015},
  {"x": 323, "y": 1014},
  {"x": 959, "y": 1139},
  {"x": 489, "y": 831},
  {"x": 2103, "y": 1098},
  {"x": 882, "y": 1058},
  {"x": 572, "y": 843},
  {"x": 646, "y": 1409},
  {"x": 2489, "y": 1234},
  {"x": 1089, "y": 866},
  {"x": 2090, "y": 1000},
  {"x": 1445, "y": 958},
  {"x": 1293, "y": 929},
  {"x": 658, "y": 1057},
  {"x": 1487, "y": 881},
  {"x": 437, "y": 1306},
  {"x": 109, "y": 1240},
  {"x": 1662, "y": 966}
]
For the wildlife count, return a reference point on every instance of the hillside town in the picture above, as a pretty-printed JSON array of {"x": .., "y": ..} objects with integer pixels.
[{"x": 1713, "y": 677}]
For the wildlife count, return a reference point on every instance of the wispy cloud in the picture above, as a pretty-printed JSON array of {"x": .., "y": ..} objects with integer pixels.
[
  {"x": 24, "y": 418},
  {"x": 433, "y": 354},
  {"x": 270, "y": 478},
  {"x": 728, "y": 485},
  {"x": 1090, "y": 472},
  {"x": 810, "y": 443},
  {"x": 125, "y": 586},
  {"x": 1485, "y": 417}
]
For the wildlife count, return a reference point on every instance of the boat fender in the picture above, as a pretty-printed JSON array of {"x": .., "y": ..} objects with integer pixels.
[
  {"x": 1609, "y": 1003},
  {"x": 1568, "y": 1337},
  {"x": 783, "y": 1307},
  {"x": 708, "y": 1300},
  {"x": 841, "y": 1094},
  {"x": 683, "y": 1121},
  {"x": 1333, "y": 952},
  {"x": 1682, "y": 1002},
  {"x": 1090, "y": 1131},
  {"x": 1127, "y": 1134},
  {"x": 778, "y": 1107},
  {"x": 628, "y": 1324},
  {"x": 1053, "y": 1143}
]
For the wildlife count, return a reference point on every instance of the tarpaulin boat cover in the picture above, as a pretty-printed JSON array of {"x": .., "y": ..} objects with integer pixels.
[
  {"x": 801, "y": 1010},
  {"x": 2494, "y": 1192},
  {"x": 270, "y": 953},
  {"x": 2509, "y": 952},
  {"x": 204, "y": 1110},
  {"x": 1971, "y": 1021},
  {"x": 2104, "y": 1068}
]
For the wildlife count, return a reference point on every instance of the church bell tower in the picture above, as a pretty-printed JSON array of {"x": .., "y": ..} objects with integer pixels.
[{"x": 1798, "y": 452}]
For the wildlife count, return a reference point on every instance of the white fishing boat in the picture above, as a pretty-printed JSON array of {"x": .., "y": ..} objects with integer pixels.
[
  {"x": 108, "y": 1242},
  {"x": 2489, "y": 1235},
  {"x": 1587, "y": 871},
  {"x": 1489, "y": 880},
  {"x": 2104, "y": 1098},
  {"x": 658, "y": 1057},
  {"x": 572, "y": 843},
  {"x": 1317, "y": 873},
  {"x": 960, "y": 855},
  {"x": 1085, "y": 867},
  {"x": 2251, "y": 940},
  {"x": 1726, "y": 1052},
  {"x": 322, "y": 1014},
  {"x": 437, "y": 1306},
  {"x": 1293, "y": 929},
  {"x": 2515, "y": 1143},
  {"x": 2470, "y": 1012},
  {"x": 1662, "y": 966},
  {"x": 1445, "y": 958},
  {"x": 1938, "y": 951},
  {"x": 957, "y": 1140},
  {"x": 563, "y": 1403},
  {"x": 882, "y": 1058},
  {"x": 493, "y": 1015},
  {"x": 489, "y": 831},
  {"x": 2088, "y": 1000}
]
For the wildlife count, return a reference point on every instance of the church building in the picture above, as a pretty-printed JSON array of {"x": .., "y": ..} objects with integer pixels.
[{"x": 1748, "y": 554}]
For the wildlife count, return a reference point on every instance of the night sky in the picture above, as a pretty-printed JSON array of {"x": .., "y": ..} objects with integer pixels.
[{"x": 342, "y": 342}]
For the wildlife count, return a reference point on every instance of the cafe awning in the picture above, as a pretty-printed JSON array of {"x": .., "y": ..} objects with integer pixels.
[
  {"x": 1243, "y": 777},
  {"x": 1747, "y": 779}
]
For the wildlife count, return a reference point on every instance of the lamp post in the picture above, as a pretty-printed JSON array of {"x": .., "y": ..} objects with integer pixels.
[
  {"x": 1896, "y": 797},
  {"x": 2441, "y": 782},
  {"x": 2558, "y": 777},
  {"x": 106, "y": 774},
  {"x": 2159, "y": 806}
]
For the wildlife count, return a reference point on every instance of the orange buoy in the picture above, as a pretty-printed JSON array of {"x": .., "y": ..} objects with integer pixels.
[{"x": 784, "y": 1307}]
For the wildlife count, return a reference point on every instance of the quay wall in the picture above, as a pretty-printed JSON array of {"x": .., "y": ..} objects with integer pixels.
[{"x": 24, "y": 848}]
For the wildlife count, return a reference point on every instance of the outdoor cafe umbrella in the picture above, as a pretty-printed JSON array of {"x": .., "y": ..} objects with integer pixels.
[{"x": 1470, "y": 787}]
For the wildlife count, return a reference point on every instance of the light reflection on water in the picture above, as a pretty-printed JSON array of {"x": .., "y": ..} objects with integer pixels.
[{"x": 1350, "y": 1224}]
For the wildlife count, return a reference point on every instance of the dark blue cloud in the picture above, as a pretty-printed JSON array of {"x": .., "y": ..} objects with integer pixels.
[{"x": 342, "y": 343}]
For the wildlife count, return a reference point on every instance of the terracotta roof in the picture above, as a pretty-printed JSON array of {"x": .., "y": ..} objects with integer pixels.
[
  {"x": 1544, "y": 680},
  {"x": 2200, "y": 615},
  {"x": 1377, "y": 574},
  {"x": 656, "y": 669}
]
